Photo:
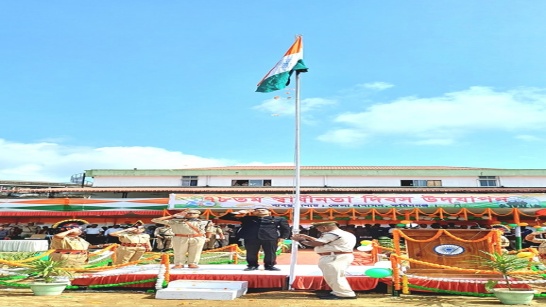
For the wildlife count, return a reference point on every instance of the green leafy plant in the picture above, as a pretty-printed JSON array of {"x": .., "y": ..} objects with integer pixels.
[
  {"x": 15, "y": 256},
  {"x": 47, "y": 270},
  {"x": 505, "y": 264}
]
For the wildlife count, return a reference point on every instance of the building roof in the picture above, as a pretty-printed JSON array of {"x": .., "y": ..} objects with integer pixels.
[
  {"x": 277, "y": 190},
  {"x": 276, "y": 167},
  {"x": 288, "y": 170},
  {"x": 20, "y": 183}
]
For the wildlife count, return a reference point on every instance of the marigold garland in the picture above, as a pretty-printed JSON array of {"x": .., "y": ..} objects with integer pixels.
[
  {"x": 151, "y": 257},
  {"x": 408, "y": 214},
  {"x": 165, "y": 260}
]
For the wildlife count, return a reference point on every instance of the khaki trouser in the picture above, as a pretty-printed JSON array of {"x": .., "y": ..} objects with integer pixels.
[
  {"x": 126, "y": 254},
  {"x": 190, "y": 246},
  {"x": 333, "y": 269}
]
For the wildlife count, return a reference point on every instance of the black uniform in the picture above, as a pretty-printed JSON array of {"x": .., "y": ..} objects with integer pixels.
[{"x": 261, "y": 232}]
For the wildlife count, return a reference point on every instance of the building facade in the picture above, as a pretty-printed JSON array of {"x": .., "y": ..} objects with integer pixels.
[{"x": 353, "y": 193}]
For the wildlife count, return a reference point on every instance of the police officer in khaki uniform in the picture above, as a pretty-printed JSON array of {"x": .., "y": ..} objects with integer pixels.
[
  {"x": 133, "y": 244},
  {"x": 335, "y": 247},
  {"x": 216, "y": 236},
  {"x": 190, "y": 235},
  {"x": 164, "y": 238},
  {"x": 69, "y": 246}
]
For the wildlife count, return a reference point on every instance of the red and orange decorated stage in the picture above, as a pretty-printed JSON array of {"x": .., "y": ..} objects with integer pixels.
[{"x": 307, "y": 277}]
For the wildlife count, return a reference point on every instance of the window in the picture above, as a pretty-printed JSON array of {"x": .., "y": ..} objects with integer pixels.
[
  {"x": 189, "y": 181},
  {"x": 487, "y": 181},
  {"x": 251, "y": 183},
  {"x": 421, "y": 183}
]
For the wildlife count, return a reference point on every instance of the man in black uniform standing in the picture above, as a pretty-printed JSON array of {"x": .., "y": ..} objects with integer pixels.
[{"x": 260, "y": 230}]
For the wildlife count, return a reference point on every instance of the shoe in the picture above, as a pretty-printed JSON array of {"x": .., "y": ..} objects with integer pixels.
[
  {"x": 178, "y": 266},
  {"x": 335, "y": 297},
  {"x": 193, "y": 266},
  {"x": 251, "y": 268},
  {"x": 272, "y": 268}
]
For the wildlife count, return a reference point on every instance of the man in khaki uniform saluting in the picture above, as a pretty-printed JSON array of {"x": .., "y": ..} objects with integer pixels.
[
  {"x": 69, "y": 247},
  {"x": 133, "y": 244},
  {"x": 190, "y": 235}
]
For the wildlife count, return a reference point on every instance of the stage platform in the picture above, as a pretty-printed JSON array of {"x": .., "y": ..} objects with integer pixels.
[{"x": 307, "y": 277}]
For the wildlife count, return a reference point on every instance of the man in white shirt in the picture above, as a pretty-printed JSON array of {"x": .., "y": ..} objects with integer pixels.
[
  {"x": 335, "y": 246},
  {"x": 93, "y": 234},
  {"x": 109, "y": 238}
]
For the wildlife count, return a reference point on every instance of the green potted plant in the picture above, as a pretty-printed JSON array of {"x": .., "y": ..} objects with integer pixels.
[
  {"x": 49, "y": 277},
  {"x": 506, "y": 264}
]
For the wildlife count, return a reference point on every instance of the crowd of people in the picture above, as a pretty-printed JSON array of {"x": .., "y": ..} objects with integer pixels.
[
  {"x": 20, "y": 232},
  {"x": 160, "y": 235}
]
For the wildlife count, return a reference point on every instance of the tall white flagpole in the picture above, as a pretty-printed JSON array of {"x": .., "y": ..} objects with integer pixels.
[{"x": 296, "y": 208}]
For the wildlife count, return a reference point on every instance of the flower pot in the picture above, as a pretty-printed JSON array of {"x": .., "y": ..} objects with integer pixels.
[
  {"x": 48, "y": 288},
  {"x": 514, "y": 297}
]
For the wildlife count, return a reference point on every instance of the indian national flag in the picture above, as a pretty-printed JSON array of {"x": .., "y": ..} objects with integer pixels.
[{"x": 279, "y": 76}]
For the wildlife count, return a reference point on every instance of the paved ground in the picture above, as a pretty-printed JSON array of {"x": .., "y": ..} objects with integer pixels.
[{"x": 24, "y": 297}]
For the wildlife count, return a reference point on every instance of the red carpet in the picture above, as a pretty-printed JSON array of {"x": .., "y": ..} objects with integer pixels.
[{"x": 304, "y": 257}]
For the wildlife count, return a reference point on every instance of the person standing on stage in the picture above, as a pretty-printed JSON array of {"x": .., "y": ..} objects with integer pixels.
[
  {"x": 190, "y": 236},
  {"x": 335, "y": 246},
  {"x": 133, "y": 244},
  {"x": 69, "y": 247},
  {"x": 260, "y": 230},
  {"x": 164, "y": 238}
]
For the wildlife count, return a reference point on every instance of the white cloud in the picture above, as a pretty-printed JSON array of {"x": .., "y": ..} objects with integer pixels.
[
  {"x": 344, "y": 136},
  {"x": 359, "y": 91},
  {"x": 380, "y": 86},
  {"x": 443, "y": 120},
  {"x": 285, "y": 106},
  {"x": 447, "y": 118},
  {"x": 528, "y": 138},
  {"x": 48, "y": 161}
]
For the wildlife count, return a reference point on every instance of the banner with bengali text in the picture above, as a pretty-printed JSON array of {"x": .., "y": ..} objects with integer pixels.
[{"x": 244, "y": 201}]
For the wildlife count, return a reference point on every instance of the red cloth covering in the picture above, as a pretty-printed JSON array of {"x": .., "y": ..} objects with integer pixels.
[
  {"x": 358, "y": 283},
  {"x": 254, "y": 281},
  {"x": 456, "y": 285}
]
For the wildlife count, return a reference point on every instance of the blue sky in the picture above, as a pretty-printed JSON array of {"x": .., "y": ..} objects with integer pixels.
[{"x": 171, "y": 84}]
